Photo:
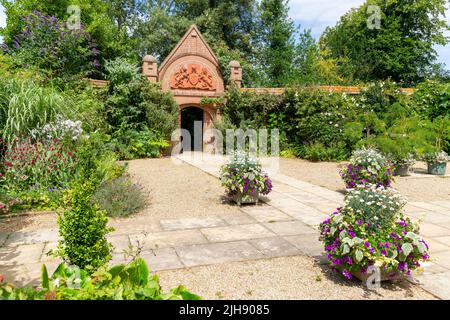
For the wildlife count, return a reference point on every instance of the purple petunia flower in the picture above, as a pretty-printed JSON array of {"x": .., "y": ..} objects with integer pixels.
[{"x": 347, "y": 274}]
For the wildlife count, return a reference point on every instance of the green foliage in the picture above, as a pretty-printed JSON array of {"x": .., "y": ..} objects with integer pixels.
[
  {"x": 96, "y": 161},
  {"x": 402, "y": 48},
  {"x": 120, "y": 197},
  {"x": 277, "y": 39},
  {"x": 24, "y": 106},
  {"x": 83, "y": 229},
  {"x": 432, "y": 99},
  {"x": 140, "y": 116},
  {"x": 121, "y": 282}
]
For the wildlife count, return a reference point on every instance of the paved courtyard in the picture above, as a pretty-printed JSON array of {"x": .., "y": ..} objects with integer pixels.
[{"x": 284, "y": 224}]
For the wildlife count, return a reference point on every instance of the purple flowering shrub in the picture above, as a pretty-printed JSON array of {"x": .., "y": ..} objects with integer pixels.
[
  {"x": 45, "y": 42},
  {"x": 354, "y": 241},
  {"x": 367, "y": 166},
  {"x": 244, "y": 175}
]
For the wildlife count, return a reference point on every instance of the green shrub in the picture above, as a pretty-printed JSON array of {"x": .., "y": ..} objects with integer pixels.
[
  {"x": 96, "y": 160},
  {"x": 140, "y": 116},
  {"x": 432, "y": 99},
  {"x": 120, "y": 197},
  {"x": 83, "y": 229},
  {"x": 121, "y": 282}
]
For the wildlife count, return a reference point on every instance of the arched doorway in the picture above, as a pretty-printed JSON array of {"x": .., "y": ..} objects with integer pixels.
[{"x": 192, "y": 121}]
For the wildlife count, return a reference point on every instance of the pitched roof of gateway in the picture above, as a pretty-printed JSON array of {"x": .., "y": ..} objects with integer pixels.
[{"x": 190, "y": 31}]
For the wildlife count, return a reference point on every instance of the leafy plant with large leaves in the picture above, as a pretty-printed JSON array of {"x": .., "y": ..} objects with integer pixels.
[{"x": 121, "y": 282}]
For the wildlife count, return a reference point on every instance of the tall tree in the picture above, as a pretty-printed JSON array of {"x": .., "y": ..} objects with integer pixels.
[
  {"x": 277, "y": 40},
  {"x": 400, "y": 47}
]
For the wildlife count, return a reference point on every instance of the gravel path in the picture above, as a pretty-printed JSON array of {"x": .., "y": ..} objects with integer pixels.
[
  {"x": 326, "y": 174},
  {"x": 288, "y": 278},
  {"x": 179, "y": 190}
]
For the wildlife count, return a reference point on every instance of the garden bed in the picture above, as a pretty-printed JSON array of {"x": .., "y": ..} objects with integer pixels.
[{"x": 326, "y": 174}]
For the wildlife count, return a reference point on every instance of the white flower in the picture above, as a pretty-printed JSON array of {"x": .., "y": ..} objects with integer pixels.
[{"x": 56, "y": 282}]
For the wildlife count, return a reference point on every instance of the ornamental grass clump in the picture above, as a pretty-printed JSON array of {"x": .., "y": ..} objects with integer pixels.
[
  {"x": 243, "y": 176},
  {"x": 371, "y": 231},
  {"x": 367, "y": 166}
]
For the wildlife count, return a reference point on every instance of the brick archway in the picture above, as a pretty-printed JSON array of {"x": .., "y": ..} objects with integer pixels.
[{"x": 192, "y": 72}]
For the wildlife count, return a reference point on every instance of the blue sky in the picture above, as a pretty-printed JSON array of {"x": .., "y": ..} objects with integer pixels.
[{"x": 318, "y": 14}]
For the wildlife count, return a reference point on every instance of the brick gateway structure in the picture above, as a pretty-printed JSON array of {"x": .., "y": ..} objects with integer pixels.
[{"x": 192, "y": 72}]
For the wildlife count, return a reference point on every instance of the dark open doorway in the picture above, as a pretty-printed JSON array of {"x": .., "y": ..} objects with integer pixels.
[{"x": 190, "y": 118}]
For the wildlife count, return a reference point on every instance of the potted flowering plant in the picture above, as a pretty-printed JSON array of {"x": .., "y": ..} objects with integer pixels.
[
  {"x": 370, "y": 232},
  {"x": 437, "y": 162},
  {"x": 367, "y": 166},
  {"x": 402, "y": 163},
  {"x": 244, "y": 179}
]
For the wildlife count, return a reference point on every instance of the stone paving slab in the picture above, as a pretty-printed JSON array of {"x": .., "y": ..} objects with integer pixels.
[
  {"x": 436, "y": 218},
  {"x": 48, "y": 246},
  {"x": 438, "y": 284},
  {"x": 433, "y": 230},
  {"x": 266, "y": 214},
  {"x": 442, "y": 259},
  {"x": 191, "y": 223},
  {"x": 135, "y": 226},
  {"x": 216, "y": 253},
  {"x": 442, "y": 203},
  {"x": 238, "y": 218},
  {"x": 290, "y": 228},
  {"x": 436, "y": 246},
  {"x": 162, "y": 259},
  {"x": 17, "y": 274},
  {"x": 444, "y": 240},
  {"x": 120, "y": 243},
  {"x": 31, "y": 237},
  {"x": 275, "y": 247},
  {"x": 309, "y": 244},
  {"x": 427, "y": 206},
  {"x": 3, "y": 237},
  {"x": 170, "y": 239},
  {"x": 235, "y": 233},
  {"x": 23, "y": 254}
]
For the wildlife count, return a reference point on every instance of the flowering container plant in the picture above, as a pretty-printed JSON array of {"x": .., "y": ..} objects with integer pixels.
[
  {"x": 402, "y": 164},
  {"x": 437, "y": 162},
  {"x": 370, "y": 231},
  {"x": 244, "y": 179},
  {"x": 367, "y": 166}
]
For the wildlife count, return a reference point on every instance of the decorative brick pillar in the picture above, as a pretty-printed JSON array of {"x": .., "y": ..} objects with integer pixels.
[
  {"x": 150, "y": 68},
  {"x": 236, "y": 73}
]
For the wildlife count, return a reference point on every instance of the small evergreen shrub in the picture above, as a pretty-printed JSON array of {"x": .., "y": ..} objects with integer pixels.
[{"x": 83, "y": 229}]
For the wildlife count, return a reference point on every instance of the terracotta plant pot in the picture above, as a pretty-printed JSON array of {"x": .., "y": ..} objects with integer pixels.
[
  {"x": 437, "y": 168},
  {"x": 402, "y": 171},
  {"x": 241, "y": 199}
]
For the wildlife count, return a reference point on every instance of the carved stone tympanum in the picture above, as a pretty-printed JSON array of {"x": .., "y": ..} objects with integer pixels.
[{"x": 193, "y": 77}]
